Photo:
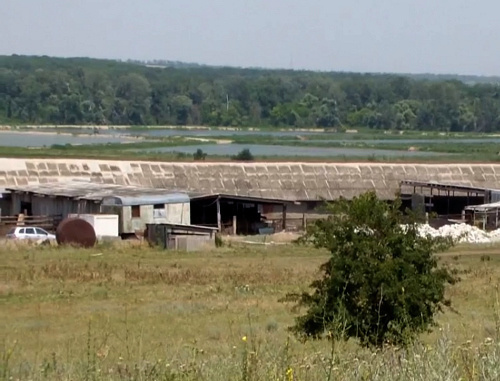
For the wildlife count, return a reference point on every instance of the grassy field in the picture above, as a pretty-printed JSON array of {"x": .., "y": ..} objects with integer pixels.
[{"x": 130, "y": 312}]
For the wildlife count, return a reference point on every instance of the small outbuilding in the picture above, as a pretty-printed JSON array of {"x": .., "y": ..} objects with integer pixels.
[
  {"x": 181, "y": 237},
  {"x": 486, "y": 216},
  {"x": 135, "y": 212}
]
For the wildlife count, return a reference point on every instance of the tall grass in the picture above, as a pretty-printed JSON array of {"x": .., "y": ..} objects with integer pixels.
[{"x": 135, "y": 313}]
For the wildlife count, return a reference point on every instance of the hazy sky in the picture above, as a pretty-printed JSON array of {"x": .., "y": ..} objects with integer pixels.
[{"x": 438, "y": 36}]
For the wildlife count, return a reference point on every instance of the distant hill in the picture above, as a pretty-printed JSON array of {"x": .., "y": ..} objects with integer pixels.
[{"x": 468, "y": 79}]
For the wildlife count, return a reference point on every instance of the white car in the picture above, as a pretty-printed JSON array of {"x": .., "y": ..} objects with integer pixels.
[{"x": 30, "y": 233}]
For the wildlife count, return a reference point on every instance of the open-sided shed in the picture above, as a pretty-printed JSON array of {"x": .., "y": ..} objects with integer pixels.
[
  {"x": 487, "y": 215},
  {"x": 233, "y": 214},
  {"x": 445, "y": 198}
]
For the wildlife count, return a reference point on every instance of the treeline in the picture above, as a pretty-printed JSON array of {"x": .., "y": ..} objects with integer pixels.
[{"x": 87, "y": 91}]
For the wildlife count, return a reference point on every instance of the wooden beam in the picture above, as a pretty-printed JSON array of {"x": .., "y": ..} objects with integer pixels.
[
  {"x": 219, "y": 219},
  {"x": 284, "y": 217}
]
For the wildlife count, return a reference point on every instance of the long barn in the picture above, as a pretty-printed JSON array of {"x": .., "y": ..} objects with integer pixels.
[
  {"x": 283, "y": 181},
  {"x": 236, "y": 190}
]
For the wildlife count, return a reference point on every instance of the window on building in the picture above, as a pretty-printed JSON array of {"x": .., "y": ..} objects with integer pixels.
[
  {"x": 136, "y": 211},
  {"x": 159, "y": 211}
]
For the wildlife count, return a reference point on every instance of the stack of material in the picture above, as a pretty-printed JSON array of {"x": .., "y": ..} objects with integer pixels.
[{"x": 461, "y": 233}]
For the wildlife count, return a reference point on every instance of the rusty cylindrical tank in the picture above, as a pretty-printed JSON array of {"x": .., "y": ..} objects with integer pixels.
[{"x": 75, "y": 232}]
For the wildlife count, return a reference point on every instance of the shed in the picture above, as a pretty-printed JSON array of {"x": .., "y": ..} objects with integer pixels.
[
  {"x": 445, "y": 199},
  {"x": 233, "y": 214},
  {"x": 180, "y": 236},
  {"x": 136, "y": 211},
  {"x": 487, "y": 215}
]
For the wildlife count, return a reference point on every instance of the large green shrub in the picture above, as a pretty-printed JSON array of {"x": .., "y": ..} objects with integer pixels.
[
  {"x": 382, "y": 283},
  {"x": 244, "y": 155},
  {"x": 199, "y": 155}
]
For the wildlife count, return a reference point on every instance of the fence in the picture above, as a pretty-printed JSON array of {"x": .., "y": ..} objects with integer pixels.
[
  {"x": 294, "y": 223},
  {"x": 46, "y": 222}
]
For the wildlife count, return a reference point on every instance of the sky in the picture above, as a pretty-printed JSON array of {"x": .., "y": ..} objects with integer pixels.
[{"x": 397, "y": 36}]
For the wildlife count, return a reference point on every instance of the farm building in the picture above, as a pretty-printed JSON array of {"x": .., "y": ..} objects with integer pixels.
[
  {"x": 445, "y": 199},
  {"x": 135, "y": 206},
  {"x": 253, "y": 195},
  {"x": 233, "y": 214},
  {"x": 485, "y": 216},
  {"x": 180, "y": 237},
  {"x": 136, "y": 211},
  {"x": 305, "y": 183}
]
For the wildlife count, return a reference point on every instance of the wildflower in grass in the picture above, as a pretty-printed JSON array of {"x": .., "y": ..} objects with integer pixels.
[
  {"x": 244, "y": 339},
  {"x": 289, "y": 374}
]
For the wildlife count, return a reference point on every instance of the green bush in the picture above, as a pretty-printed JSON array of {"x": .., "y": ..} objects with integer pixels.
[
  {"x": 199, "y": 155},
  {"x": 381, "y": 285},
  {"x": 244, "y": 155}
]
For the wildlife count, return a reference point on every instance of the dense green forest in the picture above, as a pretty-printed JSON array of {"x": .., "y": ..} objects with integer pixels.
[{"x": 88, "y": 91}]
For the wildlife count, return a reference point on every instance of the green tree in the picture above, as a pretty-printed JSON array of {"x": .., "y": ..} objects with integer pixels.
[
  {"x": 244, "y": 155},
  {"x": 405, "y": 115},
  {"x": 75, "y": 91},
  {"x": 326, "y": 114},
  {"x": 381, "y": 284},
  {"x": 199, "y": 155},
  {"x": 181, "y": 105},
  {"x": 134, "y": 93}
]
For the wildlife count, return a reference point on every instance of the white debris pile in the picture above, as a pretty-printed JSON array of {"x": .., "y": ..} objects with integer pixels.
[
  {"x": 495, "y": 235},
  {"x": 460, "y": 233}
]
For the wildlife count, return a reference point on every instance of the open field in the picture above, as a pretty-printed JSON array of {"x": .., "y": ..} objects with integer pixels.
[{"x": 128, "y": 312}]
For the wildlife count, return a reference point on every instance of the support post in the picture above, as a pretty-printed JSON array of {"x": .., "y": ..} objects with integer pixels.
[
  {"x": 219, "y": 220},
  {"x": 284, "y": 217},
  {"x": 304, "y": 222},
  {"x": 448, "y": 205},
  {"x": 234, "y": 225}
]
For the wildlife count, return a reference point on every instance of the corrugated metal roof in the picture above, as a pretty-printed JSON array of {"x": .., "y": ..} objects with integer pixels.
[
  {"x": 445, "y": 186},
  {"x": 130, "y": 195},
  {"x": 484, "y": 207},
  {"x": 292, "y": 181},
  {"x": 168, "y": 198},
  {"x": 239, "y": 198}
]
